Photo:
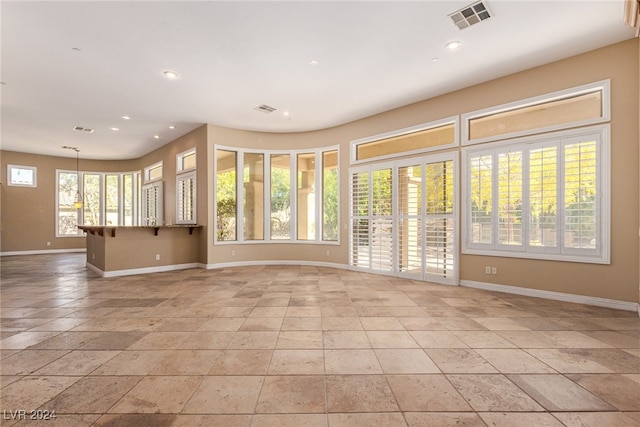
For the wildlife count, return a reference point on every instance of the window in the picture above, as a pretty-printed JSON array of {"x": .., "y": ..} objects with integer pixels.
[
  {"x": 108, "y": 199},
  {"x": 583, "y": 105},
  {"x": 416, "y": 139},
  {"x": 152, "y": 204},
  {"x": 186, "y": 161},
  {"x": 186, "y": 198},
  {"x": 226, "y": 191},
  {"x": 153, "y": 172},
  {"x": 282, "y": 195},
  {"x": 22, "y": 176},
  {"x": 186, "y": 206},
  {"x": 540, "y": 197}
]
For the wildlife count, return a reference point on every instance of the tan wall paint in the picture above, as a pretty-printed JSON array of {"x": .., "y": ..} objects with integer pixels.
[
  {"x": 616, "y": 281},
  {"x": 620, "y": 280}
]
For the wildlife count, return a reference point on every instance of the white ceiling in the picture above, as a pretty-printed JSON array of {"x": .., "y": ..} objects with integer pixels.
[{"x": 88, "y": 63}]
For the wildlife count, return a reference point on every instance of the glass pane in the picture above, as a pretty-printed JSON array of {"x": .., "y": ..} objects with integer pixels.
[
  {"x": 111, "y": 199},
  {"x": 91, "y": 199},
  {"x": 381, "y": 197},
  {"x": 67, "y": 214},
  {"x": 439, "y": 182},
  {"x": 481, "y": 198},
  {"x": 510, "y": 198},
  {"x": 410, "y": 185},
  {"x": 280, "y": 197},
  {"x": 226, "y": 195},
  {"x": 127, "y": 200},
  {"x": 330, "y": 210},
  {"x": 382, "y": 220},
  {"x": 542, "y": 197},
  {"x": 306, "y": 209},
  {"x": 550, "y": 113},
  {"x": 580, "y": 195},
  {"x": 188, "y": 161},
  {"x": 433, "y": 137},
  {"x": 253, "y": 179},
  {"x": 155, "y": 173}
]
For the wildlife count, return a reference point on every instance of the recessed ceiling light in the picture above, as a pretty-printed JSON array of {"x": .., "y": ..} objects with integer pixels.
[
  {"x": 313, "y": 62},
  {"x": 114, "y": 128},
  {"x": 452, "y": 45},
  {"x": 172, "y": 127},
  {"x": 156, "y": 136},
  {"x": 434, "y": 59},
  {"x": 171, "y": 75},
  {"x": 125, "y": 117},
  {"x": 285, "y": 113}
]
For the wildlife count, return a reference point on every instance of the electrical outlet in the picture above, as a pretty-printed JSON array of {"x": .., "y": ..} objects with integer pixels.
[
  {"x": 48, "y": 243},
  {"x": 487, "y": 270},
  {"x": 494, "y": 270},
  {"x": 233, "y": 253},
  {"x": 157, "y": 257},
  {"x": 327, "y": 252}
]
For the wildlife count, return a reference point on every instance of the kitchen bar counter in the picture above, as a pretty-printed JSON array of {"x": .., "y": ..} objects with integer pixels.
[{"x": 125, "y": 250}]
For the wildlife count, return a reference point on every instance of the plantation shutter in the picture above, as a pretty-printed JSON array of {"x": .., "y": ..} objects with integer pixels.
[{"x": 186, "y": 198}]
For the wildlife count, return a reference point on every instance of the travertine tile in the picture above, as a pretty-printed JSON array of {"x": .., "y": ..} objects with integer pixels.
[
  {"x": 514, "y": 361},
  {"x": 389, "y": 419},
  {"x": 359, "y": 393},
  {"x": 346, "y": 339},
  {"x": 618, "y": 390},
  {"x": 165, "y": 394},
  {"x": 405, "y": 361},
  {"x": 132, "y": 362},
  {"x": 459, "y": 360},
  {"x": 351, "y": 362},
  {"x": 297, "y": 362},
  {"x": 288, "y": 420},
  {"x": 443, "y": 419},
  {"x": 510, "y": 419},
  {"x": 292, "y": 394},
  {"x": 438, "y": 339},
  {"x": 300, "y": 340},
  {"x": 92, "y": 394},
  {"x": 596, "y": 419},
  {"x": 426, "y": 393},
  {"x": 225, "y": 395},
  {"x": 77, "y": 362},
  {"x": 492, "y": 393}
]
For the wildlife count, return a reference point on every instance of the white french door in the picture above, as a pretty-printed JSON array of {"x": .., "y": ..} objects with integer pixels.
[{"x": 403, "y": 218}]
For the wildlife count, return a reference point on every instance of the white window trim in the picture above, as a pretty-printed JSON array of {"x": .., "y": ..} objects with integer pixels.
[
  {"x": 148, "y": 169},
  {"x": 604, "y": 85},
  {"x": 180, "y": 160},
  {"x": 10, "y": 182},
  {"x": 602, "y": 254},
  {"x": 240, "y": 152},
  {"x": 408, "y": 130}
]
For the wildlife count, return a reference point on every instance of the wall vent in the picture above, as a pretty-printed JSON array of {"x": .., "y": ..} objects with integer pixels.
[
  {"x": 83, "y": 129},
  {"x": 471, "y": 15},
  {"x": 265, "y": 108}
]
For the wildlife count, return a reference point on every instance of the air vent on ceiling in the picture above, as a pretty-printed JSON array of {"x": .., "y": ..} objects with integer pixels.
[
  {"x": 83, "y": 129},
  {"x": 470, "y": 15},
  {"x": 265, "y": 108}
]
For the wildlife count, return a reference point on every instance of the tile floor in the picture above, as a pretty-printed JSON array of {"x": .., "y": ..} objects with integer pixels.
[{"x": 303, "y": 346}]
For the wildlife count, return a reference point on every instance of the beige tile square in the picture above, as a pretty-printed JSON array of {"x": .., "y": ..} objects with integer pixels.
[
  {"x": 132, "y": 362},
  {"x": 268, "y": 312},
  {"x": 459, "y": 360},
  {"x": 423, "y": 323},
  {"x": 138, "y": 420},
  {"x": 557, "y": 393},
  {"x": 289, "y": 420},
  {"x": 27, "y": 361},
  {"x": 514, "y": 361},
  {"x": 351, "y": 362},
  {"x": 242, "y": 362},
  {"x": 159, "y": 341},
  {"x": 303, "y": 312},
  {"x": 302, "y": 324},
  {"x": 225, "y": 395},
  {"x": 567, "y": 361},
  {"x": 359, "y": 393},
  {"x": 92, "y": 394},
  {"x": 34, "y": 391},
  {"x": 186, "y": 362},
  {"x": 618, "y": 390},
  {"x": 437, "y": 339},
  {"x": 387, "y": 419},
  {"x": 346, "y": 339},
  {"x": 391, "y": 339},
  {"x": 483, "y": 339},
  {"x": 297, "y": 362},
  {"x": 211, "y": 421},
  {"x": 596, "y": 419},
  {"x": 262, "y": 324},
  {"x": 153, "y": 394},
  {"x": 257, "y": 340},
  {"x": 443, "y": 419},
  {"x": 300, "y": 340},
  {"x": 77, "y": 362},
  {"x": 341, "y": 324},
  {"x": 292, "y": 394},
  {"x": 430, "y": 393},
  {"x": 493, "y": 393},
  {"x": 222, "y": 324},
  {"x": 510, "y": 419},
  {"x": 205, "y": 340},
  {"x": 406, "y": 361},
  {"x": 381, "y": 324}
]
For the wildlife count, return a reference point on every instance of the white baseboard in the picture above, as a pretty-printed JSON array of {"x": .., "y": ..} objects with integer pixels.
[
  {"x": 42, "y": 252},
  {"x": 558, "y": 296},
  {"x": 274, "y": 262},
  {"x": 145, "y": 270}
]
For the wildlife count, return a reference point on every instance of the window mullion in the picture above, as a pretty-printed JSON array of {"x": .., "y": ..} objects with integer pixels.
[
  {"x": 240, "y": 196},
  {"x": 525, "y": 213}
]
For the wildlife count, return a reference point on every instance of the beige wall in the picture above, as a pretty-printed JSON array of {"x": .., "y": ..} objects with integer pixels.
[{"x": 620, "y": 280}]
